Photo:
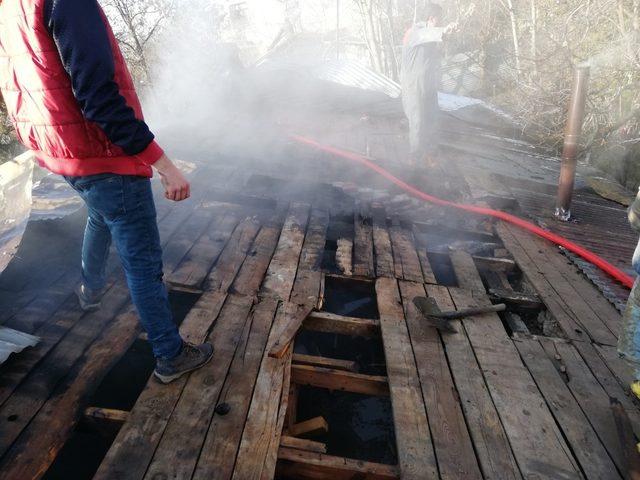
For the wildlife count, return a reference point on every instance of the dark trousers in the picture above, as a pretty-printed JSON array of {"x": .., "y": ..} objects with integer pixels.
[{"x": 121, "y": 208}]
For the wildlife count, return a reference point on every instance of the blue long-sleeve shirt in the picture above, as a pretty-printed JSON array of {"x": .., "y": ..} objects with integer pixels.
[{"x": 81, "y": 37}]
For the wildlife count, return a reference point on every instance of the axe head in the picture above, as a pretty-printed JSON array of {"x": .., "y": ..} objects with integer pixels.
[{"x": 428, "y": 307}]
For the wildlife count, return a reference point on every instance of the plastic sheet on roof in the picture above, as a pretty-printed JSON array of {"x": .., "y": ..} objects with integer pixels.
[
  {"x": 16, "y": 181},
  {"x": 29, "y": 193}
]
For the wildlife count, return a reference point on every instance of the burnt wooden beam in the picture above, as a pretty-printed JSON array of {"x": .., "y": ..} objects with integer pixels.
[
  {"x": 313, "y": 426},
  {"x": 331, "y": 323},
  {"x": 105, "y": 415},
  {"x": 325, "y": 362},
  {"x": 295, "y": 463},
  {"x": 303, "y": 444},
  {"x": 340, "y": 380},
  {"x": 295, "y": 312},
  {"x": 514, "y": 298},
  {"x": 494, "y": 263}
]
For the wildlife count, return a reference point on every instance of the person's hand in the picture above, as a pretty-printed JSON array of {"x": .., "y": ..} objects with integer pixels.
[
  {"x": 176, "y": 187},
  {"x": 451, "y": 28}
]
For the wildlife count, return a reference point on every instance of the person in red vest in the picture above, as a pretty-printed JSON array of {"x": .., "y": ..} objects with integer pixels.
[
  {"x": 420, "y": 81},
  {"x": 72, "y": 102}
]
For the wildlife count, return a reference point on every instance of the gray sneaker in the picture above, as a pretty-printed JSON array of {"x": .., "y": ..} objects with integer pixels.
[
  {"x": 190, "y": 358},
  {"x": 89, "y": 300}
]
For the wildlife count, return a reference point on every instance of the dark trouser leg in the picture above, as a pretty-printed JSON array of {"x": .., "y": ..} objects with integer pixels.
[
  {"x": 629, "y": 338},
  {"x": 125, "y": 204},
  {"x": 95, "y": 251}
]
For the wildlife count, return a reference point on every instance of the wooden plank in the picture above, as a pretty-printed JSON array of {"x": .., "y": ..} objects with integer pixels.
[
  {"x": 563, "y": 298},
  {"x": 331, "y": 323},
  {"x": 313, "y": 426},
  {"x": 467, "y": 233},
  {"x": 537, "y": 443},
  {"x": 183, "y": 239},
  {"x": 220, "y": 446},
  {"x": 38, "y": 445},
  {"x": 627, "y": 439},
  {"x": 405, "y": 257},
  {"x": 233, "y": 256},
  {"x": 303, "y": 444},
  {"x": 382, "y": 244},
  {"x": 16, "y": 369},
  {"x": 427, "y": 271},
  {"x": 333, "y": 363},
  {"x": 466, "y": 271},
  {"x": 192, "y": 270},
  {"x": 495, "y": 264},
  {"x": 453, "y": 446},
  {"x": 310, "y": 465},
  {"x": 38, "y": 312},
  {"x": 261, "y": 428},
  {"x": 587, "y": 447},
  {"x": 294, "y": 313},
  {"x": 108, "y": 415},
  {"x": 415, "y": 450},
  {"x": 291, "y": 416},
  {"x": 282, "y": 269},
  {"x": 589, "y": 394},
  {"x": 178, "y": 450},
  {"x": 314, "y": 240},
  {"x": 138, "y": 438},
  {"x": 586, "y": 290},
  {"x": 510, "y": 297},
  {"x": 33, "y": 392},
  {"x": 602, "y": 372},
  {"x": 339, "y": 380},
  {"x": 363, "y": 244},
  {"x": 271, "y": 460},
  {"x": 255, "y": 265},
  {"x": 620, "y": 368},
  {"x": 307, "y": 283},
  {"x": 487, "y": 433},
  {"x": 344, "y": 256},
  {"x": 257, "y": 455}
]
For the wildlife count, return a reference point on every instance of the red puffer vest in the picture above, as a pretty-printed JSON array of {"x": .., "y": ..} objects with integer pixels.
[{"x": 40, "y": 102}]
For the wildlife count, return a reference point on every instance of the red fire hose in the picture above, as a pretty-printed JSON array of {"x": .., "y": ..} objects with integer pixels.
[{"x": 600, "y": 262}]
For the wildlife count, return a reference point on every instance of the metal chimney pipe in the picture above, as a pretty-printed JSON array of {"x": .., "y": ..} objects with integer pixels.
[{"x": 571, "y": 143}]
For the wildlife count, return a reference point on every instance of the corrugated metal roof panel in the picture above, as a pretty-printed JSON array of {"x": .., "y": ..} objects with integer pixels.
[{"x": 13, "y": 341}]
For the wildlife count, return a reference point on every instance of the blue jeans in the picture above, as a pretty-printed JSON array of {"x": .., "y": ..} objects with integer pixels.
[
  {"x": 629, "y": 339},
  {"x": 122, "y": 208}
]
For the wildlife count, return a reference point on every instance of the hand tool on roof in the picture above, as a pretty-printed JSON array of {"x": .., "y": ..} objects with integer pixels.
[{"x": 442, "y": 320}]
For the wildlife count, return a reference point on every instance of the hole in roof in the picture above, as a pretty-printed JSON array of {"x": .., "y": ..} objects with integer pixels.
[
  {"x": 349, "y": 297},
  {"x": 442, "y": 269}
]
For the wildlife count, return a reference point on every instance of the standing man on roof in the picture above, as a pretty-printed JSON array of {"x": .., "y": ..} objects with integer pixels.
[
  {"x": 420, "y": 80},
  {"x": 73, "y": 103}
]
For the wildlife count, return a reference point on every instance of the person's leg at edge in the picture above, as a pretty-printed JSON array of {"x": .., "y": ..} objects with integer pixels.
[
  {"x": 431, "y": 131},
  {"x": 137, "y": 240},
  {"x": 95, "y": 252},
  {"x": 126, "y": 205},
  {"x": 629, "y": 340}
]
